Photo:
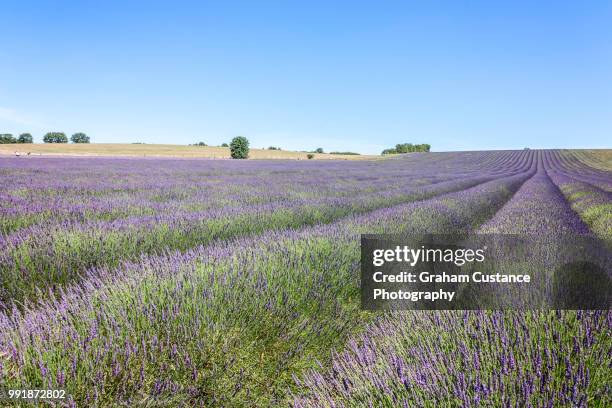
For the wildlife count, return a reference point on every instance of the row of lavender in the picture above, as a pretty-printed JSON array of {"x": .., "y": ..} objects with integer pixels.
[
  {"x": 77, "y": 231},
  {"x": 231, "y": 323},
  {"x": 589, "y": 191},
  {"x": 79, "y": 191},
  {"x": 560, "y": 358}
]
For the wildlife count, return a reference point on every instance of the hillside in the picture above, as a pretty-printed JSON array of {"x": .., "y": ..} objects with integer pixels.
[{"x": 160, "y": 150}]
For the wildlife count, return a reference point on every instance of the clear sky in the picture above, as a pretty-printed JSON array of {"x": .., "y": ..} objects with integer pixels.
[{"x": 360, "y": 76}]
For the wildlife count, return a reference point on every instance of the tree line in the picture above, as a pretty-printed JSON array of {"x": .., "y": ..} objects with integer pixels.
[
  {"x": 7, "y": 138},
  {"x": 50, "y": 137},
  {"x": 407, "y": 148}
]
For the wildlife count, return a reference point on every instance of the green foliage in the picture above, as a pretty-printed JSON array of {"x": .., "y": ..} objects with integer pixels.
[
  {"x": 274, "y": 148},
  {"x": 79, "y": 138},
  {"x": 25, "y": 138},
  {"x": 310, "y": 156},
  {"x": 239, "y": 147},
  {"x": 7, "y": 138},
  {"x": 346, "y": 153},
  {"x": 319, "y": 150},
  {"x": 55, "y": 137},
  {"x": 593, "y": 207},
  {"x": 389, "y": 151},
  {"x": 224, "y": 145},
  {"x": 407, "y": 148},
  {"x": 200, "y": 144}
]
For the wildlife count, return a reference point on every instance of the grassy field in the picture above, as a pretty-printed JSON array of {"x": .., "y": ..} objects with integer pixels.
[
  {"x": 601, "y": 158},
  {"x": 161, "y": 150}
]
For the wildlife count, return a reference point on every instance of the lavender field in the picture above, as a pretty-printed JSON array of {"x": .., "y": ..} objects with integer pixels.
[{"x": 168, "y": 282}]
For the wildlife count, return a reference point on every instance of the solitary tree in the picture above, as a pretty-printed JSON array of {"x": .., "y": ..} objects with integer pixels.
[
  {"x": 7, "y": 138},
  {"x": 319, "y": 150},
  {"x": 239, "y": 147},
  {"x": 55, "y": 137},
  {"x": 79, "y": 138},
  {"x": 25, "y": 138},
  {"x": 224, "y": 145}
]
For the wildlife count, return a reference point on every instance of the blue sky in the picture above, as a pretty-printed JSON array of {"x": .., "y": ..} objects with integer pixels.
[{"x": 358, "y": 76}]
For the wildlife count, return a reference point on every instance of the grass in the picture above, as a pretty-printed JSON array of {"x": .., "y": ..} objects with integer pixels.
[
  {"x": 600, "y": 159},
  {"x": 163, "y": 150},
  {"x": 592, "y": 206}
]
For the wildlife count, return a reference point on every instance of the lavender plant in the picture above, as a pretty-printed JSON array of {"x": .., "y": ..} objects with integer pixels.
[
  {"x": 145, "y": 282},
  {"x": 227, "y": 324},
  {"x": 560, "y": 358}
]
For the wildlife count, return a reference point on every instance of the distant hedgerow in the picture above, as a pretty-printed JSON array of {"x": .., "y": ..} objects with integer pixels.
[{"x": 407, "y": 148}]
